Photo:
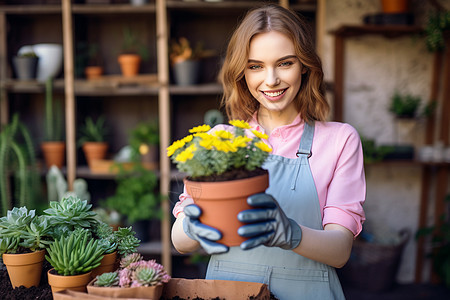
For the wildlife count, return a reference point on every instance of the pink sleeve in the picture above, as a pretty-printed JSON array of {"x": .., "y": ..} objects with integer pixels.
[
  {"x": 185, "y": 200},
  {"x": 347, "y": 189}
]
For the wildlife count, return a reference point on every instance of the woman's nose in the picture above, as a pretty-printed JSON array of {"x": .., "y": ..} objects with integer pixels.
[{"x": 272, "y": 78}]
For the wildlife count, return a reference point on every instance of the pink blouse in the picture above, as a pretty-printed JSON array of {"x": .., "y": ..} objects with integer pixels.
[{"x": 336, "y": 165}]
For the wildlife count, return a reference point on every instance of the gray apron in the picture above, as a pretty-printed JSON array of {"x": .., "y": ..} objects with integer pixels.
[{"x": 289, "y": 275}]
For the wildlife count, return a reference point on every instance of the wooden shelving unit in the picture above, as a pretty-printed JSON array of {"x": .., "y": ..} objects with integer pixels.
[{"x": 151, "y": 95}]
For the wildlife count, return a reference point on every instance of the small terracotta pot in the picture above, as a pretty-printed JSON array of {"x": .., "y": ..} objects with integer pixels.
[
  {"x": 93, "y": 72},
  {"x": 395, "y": 6},
  {"x": 222, "y": 201},
  {"x": 74, "y": 283},
  {"x": 24, "y": 269},
  {"x": 107, "y": 264},
  {"x": 129, "y": 64},
  {"x": 54, "y": 153},
  {"x": 94, "y": 150},
  {"x": 142, "y": 292}
]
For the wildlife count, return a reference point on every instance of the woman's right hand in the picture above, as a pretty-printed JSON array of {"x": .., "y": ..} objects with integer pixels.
[{"x": 204, "y": 234}]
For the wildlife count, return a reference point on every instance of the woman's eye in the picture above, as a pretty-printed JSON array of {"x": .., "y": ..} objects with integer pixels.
[
  {"x": 286, "y": 63},
  {"x": 254, "y": 67}
]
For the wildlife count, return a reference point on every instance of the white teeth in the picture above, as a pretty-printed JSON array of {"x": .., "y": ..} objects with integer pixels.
[{"x": 274, "y": 94}]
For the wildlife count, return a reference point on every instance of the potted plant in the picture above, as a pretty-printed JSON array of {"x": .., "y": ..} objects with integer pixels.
[
  {"x": 133, "y": 52},
  {"x": 136, "y": 198},
  {"x": 222, "y": 165},
  {"x": 136, "y": 278},
  {"x": 23, "y": 238},
  {"x": 17, "y": 156},
  {"x": 437, "y": 24},
  {"x": 25, "y": 65},
  {"x": 185, "y": 60},
  {"x": 53, "y": 147},
  {"x": 144, "y": 141},
  {"x": 116, "y": 244},
  {"x": 93, "y": 69},
  {"x": 93, "y": 139},
  {"x": 73, "y": 257}
]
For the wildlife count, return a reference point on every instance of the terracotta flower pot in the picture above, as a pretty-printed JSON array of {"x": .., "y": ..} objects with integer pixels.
[
  {"x": 142, "y": 292},
  {"x": 394, "y": 6},
  {"x": 94, "y": 151},
  {"x": 74, "y": 283},
  {"x": 222, "y": 201},
  {"x": 93, "y": 72},
  {"x": 107, "y": 264},
  {"x": 54, "y": 153},
  {"x": 24, "y": 269},
  {"x": 129, "y": 64}
]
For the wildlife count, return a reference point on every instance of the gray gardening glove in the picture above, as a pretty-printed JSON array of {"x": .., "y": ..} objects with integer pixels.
[
  {"x": 267, "y": 224},
  {"x": 204, "y": 234}
]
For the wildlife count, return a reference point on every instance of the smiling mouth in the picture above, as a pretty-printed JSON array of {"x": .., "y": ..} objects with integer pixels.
[{"x": 274, "y": 93}]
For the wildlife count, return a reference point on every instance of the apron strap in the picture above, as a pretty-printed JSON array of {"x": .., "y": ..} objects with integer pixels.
[{"x": 304, "y": 150}]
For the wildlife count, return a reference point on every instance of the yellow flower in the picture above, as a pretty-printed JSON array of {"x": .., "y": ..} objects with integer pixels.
[
  {"x": 263, "y": 146},
  {"x": 260, "y": 134},
  {"x": 188, "y": 138},
  {"x": 207, "y": 143},
  {"x": 224, "y": 146},
  {"x": 241, "y": 141},
  {"x": 201, "y": 128},
  {"x": 224, "y": 134},
  {"x": 240, "y": 124},
  {"x": 187, "y": 154},
  {"x": 174, "y": 147}
]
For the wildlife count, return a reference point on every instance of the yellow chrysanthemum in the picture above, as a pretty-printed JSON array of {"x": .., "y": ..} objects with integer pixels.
[
  {"x": 174, "y": 147},
  {"x": 187, "y": 154},
  {"x": 240, "y": 124},
  {"x": 201, "y": 128},
  {"x": 224, "y": 146},
  {"x": 224, "y": 134},
  {"x": 241, "y": 141},
  {"x": 260, "y": 134},
  {"x": 207, "y": 143},
  {"x": 188, "y": 138},
  {"x": 263, "y": 146}
]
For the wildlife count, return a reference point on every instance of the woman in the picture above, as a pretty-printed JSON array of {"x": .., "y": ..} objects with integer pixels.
[{"x": 306, "y": 221}]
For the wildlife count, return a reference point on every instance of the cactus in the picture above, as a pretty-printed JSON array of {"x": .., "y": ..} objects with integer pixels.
[
  {"x": 107, "y": 279},
  {"x": 74, "y": 254}
]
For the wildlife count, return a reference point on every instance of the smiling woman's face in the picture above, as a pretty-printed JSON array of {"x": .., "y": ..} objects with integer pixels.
[{"x": 273, "y": 72}]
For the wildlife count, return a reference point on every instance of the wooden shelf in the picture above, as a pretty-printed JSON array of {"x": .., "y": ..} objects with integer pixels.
[
  {"x": 389, "y": 31},
  {"x": 30, "y": 9},
  {"x": 113, "y": 9}
]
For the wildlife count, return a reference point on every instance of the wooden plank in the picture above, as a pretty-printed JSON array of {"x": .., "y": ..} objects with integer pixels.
[
  {"x": 4, "y": 119},
  {"x": 445, "y": 118},
  {"x": 339, "y": 63},
  {"x": 164, "y": 129},
  {"x": 435, "y": 80},
  {"x": 69, "y": 92}
]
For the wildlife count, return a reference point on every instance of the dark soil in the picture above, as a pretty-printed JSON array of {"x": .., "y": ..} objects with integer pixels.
[
  {"x": 43, "y": 291},
  {"x": 231, "y": 175}
]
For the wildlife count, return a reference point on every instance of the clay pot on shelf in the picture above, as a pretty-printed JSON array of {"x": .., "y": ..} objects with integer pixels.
[
  {"x": 54, "y": 153},
  {"x": 129, "y": 64}
]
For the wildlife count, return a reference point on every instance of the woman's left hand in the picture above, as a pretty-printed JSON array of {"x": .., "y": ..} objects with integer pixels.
[{"x": 268, "y": 225}]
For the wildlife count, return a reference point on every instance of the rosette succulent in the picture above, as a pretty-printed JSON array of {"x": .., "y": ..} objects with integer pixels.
[{"x": 107, "y": 279}]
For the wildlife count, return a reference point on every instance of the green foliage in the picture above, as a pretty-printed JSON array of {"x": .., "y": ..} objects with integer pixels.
[
  {"x": 144, "y": 133},
  {"x": 18, "y": 156},
  {"x": 131, "y": 44},
  {"x": 136, "y": 195},
  {"x": 127, "y": 242},
  {"x": 127, "y": 260},
  {"x": 146, "y": 276},
  {"x": 21, "y": 229},
  {"x": 92, "y": 131},
  {"x": 438, "y": 22},
  {"x": 53, "y": 115},
  {"x": 68, "y": 214},
  {"x": 373, "y": 153},
  {"x": 108, "y": 279},
  {"x": 74, "y": 254},
  {"x": 440, "y": 246},
  {"x": 404, "y": 106}
]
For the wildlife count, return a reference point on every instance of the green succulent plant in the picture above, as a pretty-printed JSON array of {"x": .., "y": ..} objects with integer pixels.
[
  {"x": 92, "y": 131},
  {"x": 107, "y": 279},
  {"x": 127, "y": 242},
  {"x": 22, "y": 230},
  {"x": 404, "y": 106},
  {"x": 147, "y": 276},
  {"x": 129, "y": 259},
  {"x": 75, "y": 254},
  {"x": 69, "y": 213}
]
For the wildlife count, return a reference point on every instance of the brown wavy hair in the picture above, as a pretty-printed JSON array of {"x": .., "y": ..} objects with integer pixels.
[{"x": 237, "y": 99}]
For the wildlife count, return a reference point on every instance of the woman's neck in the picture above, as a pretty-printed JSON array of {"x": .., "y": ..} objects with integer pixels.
[{"x": 270, "y": 120}]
